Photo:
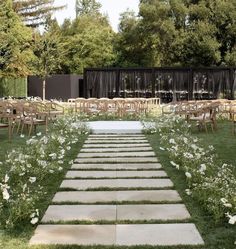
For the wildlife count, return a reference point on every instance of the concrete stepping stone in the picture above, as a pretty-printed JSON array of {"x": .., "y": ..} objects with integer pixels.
[
  {"x": 121, "y": 235},
  {"x": 65, "y": 213},
  {"x": 152, "y": 212},
  {"x": 111, "y": 139},
  {"x": 116, "y": 135},
  {"x": 74, "y": 235},
  {"x": 109, "y": 145},
  {"x": 158, "y": 234},
  {"x": 116, "y": 154},
  {"x": 115, "y": 174},
  {"x": 117, "y": 160},
  {"x": 56, "y": 213},
  {"x": 136, "y": 149},
  {"x": 116, "y": 183},
  {"x": 119, "y": 141},
  {"x": 117, "y": 196},
  {"x": 117, "y": 166}
]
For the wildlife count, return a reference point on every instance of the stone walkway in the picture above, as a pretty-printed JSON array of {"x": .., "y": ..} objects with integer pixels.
[{"x": 117, "y": 193}]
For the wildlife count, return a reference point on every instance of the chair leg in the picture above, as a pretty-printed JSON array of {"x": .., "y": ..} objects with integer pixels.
[
  {"x": 22, "y": 128},
  {"x": 30, "y": 129}
]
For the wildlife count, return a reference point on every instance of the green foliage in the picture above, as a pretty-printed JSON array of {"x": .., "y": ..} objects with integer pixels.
[
  {"x": 87, "y": 7},
  {"x": 89, "y": 43},
  {"x": 178, "y": 32},
  {"x": 35, "y": 12},
  {"x": 26, "y": 170},
  {"x": 48, "y": 51},
  {"x": 13, "y": 87},
  {"x": 15, "y": 41}
]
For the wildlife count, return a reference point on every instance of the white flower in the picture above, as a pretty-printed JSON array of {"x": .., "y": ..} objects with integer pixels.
[
  {"x": 161, "y": 148},
  {"x": 22, "y": 135},
  {"x": 68, "y": 148},
  {"x": 174, "y": 164},
  {"x": 60, "y": 168},
  {"x": 172, "y": 141},
  {"x": 232, "y": 219},
  {"x": 188, "y": 175},
  {"x": 32, "y": 179},
  {"x": 223, "y": 200},
  {"x": 228, "y": 205},
  {"x": 6, "y": 178},
  {"x": 53, "y": 156},
  {"x": 34, "y": 220},
  {"x": 5, "y": 194},
  {"x": 202, "y": 168},
  {"x": 39, "y": 134},
  {"x": 60, "y": 162},
  {"x": 188, "y": 191},
  {"x": 185, "y": 140}
]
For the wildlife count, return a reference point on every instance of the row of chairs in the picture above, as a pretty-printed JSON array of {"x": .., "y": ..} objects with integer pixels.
[
  {"x": 204, "y": 112},
  {"x": 20, "y": 114},
  {"x": 117, "y": 106}
]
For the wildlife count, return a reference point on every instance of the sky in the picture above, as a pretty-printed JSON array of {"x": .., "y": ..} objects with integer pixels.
[{"x": 112, "y": 8}]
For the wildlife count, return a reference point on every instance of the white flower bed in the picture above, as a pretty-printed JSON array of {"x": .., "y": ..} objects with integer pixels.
[
  {"x": 211, "y": 182},
  {"x": 23, "y": 173}
]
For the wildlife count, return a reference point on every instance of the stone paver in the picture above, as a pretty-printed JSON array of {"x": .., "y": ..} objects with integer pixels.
[
  {"x": 115, "y": 174},
  {"x": 141, "y": 234},
  {"x": 117, "y": 183},
  {"x": 138, "y": 191},
  {"x": 64, "y": 213},
  {"x": 117, "y": 160},
  {"x": 158, "y": 234},
  {"x": 117, "y": 166},
  {"x": 111, "y": 139},
  {"x": 117, "y": 196},
  {"x": 140, "y": 141},
  {"x": 115, "y": 127},
  {"x": 116, "y": 135},
  {"x": 152, "y": 212},
  {"x": 116, "y": 154},
  {"x": 128, "y": 145},
  {"x": 136, "y": 149},
  {"x": 74, "y": 234},
  {"x": 56, "y": 213}
]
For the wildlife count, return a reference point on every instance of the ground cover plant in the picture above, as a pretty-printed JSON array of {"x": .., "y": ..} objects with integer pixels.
[
  {"x": 203, "y": 171},
  {"x": 31, "y": 170}
]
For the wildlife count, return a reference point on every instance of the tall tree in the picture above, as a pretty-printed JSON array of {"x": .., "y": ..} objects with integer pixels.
[
  {"x": 35, "y": 12},
  {"x": 89, "y": 43},
  {"x": 87, "y": 7},
  {"x": 49, "y": 52},
  {"x": 15, "y": 41}
]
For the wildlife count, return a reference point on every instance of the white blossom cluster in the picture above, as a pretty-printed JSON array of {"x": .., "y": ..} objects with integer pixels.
[
  {"x": 212, "y": 182},
  {"x": 24, "y": 171}
]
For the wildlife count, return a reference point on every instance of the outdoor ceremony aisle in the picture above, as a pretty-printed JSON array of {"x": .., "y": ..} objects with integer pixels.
[{"x": 117, "y": 193}]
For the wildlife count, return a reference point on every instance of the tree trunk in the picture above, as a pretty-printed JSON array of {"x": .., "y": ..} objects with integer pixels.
[{"x": 44, "y": 89}]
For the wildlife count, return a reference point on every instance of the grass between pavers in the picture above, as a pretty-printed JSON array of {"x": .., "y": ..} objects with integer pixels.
[
  {"x": 215, "y": 235},
  {"x": 19, "y": 238},
  {"x": 115, "y": 222},
  {"x": 115, "y": 203},
  {"x": 113, "y": 178},
  {"x": 115, "y": 189}
]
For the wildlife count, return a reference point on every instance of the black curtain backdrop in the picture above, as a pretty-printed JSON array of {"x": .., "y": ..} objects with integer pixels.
[{"x": 169, "y": 84}]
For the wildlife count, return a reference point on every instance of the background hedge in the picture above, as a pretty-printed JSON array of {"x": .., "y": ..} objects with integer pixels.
[{"x": 13, "y": 87}]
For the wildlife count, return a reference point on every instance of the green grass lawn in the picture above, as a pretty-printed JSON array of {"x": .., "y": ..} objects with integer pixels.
[{"x": 216, "y": 236}]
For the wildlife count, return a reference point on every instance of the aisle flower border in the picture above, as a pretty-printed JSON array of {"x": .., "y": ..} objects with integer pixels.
[
  {"x": 211, "y": 182},
  {"x": 23, "y": 172}
]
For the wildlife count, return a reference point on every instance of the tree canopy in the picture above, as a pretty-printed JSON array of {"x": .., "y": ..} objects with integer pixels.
[
  {"x": 35, "y": 12},
  {"x": 87, "y": 7},
  {"x": 179, "y": 32},
  {"x": 15, "y": 42}
]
